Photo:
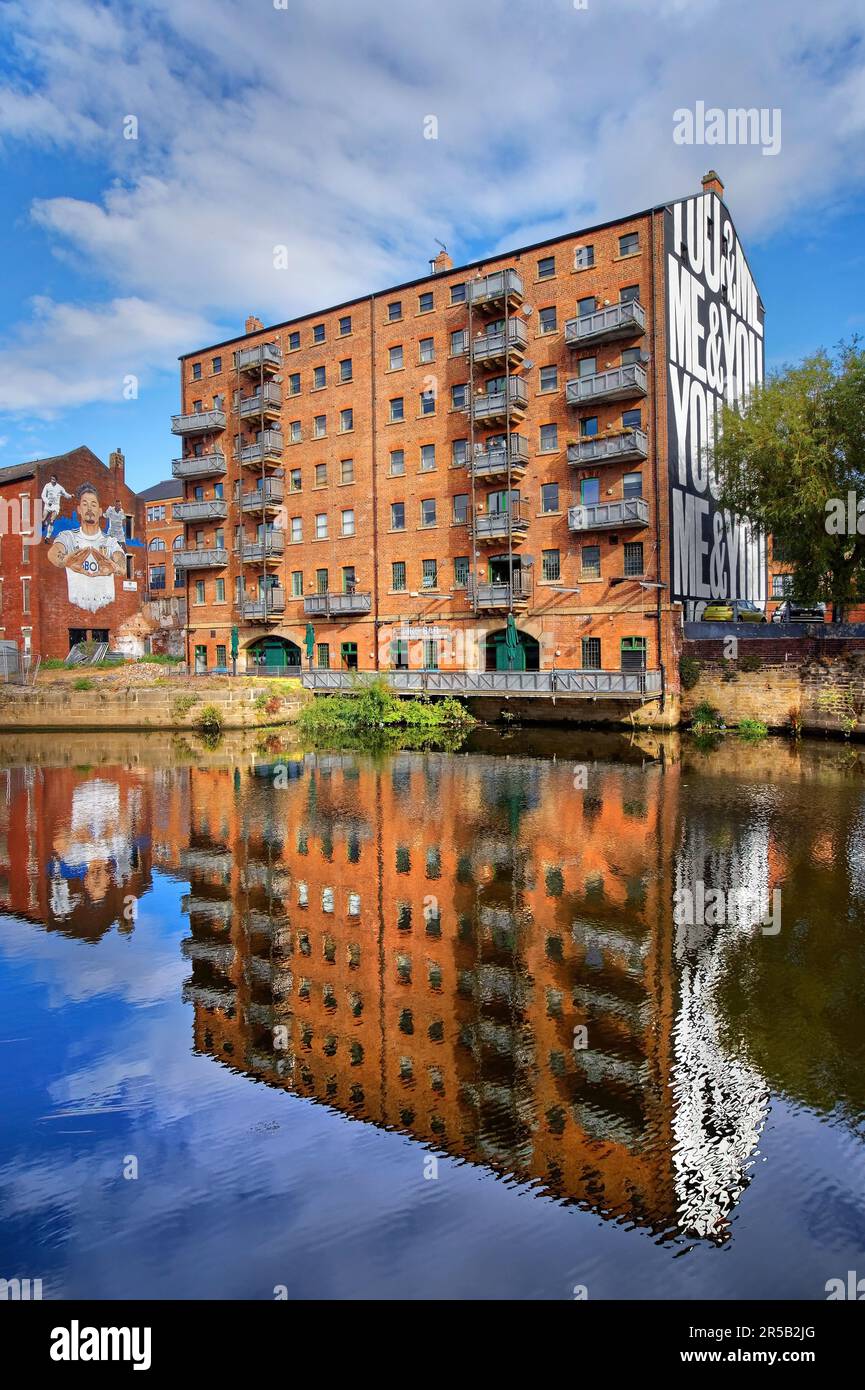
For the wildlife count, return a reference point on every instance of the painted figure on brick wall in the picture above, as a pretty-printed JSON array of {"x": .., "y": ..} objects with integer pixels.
[{"x": 91, "y": 557}]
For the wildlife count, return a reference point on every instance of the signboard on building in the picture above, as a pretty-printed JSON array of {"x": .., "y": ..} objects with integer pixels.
[{"x": 715, "y": 326}]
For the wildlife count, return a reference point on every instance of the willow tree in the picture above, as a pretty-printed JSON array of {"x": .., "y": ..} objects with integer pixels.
[{"x": 794, "y": 462}]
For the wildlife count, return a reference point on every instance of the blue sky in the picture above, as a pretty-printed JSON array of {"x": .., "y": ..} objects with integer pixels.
[{"x": 261, "y": 125}]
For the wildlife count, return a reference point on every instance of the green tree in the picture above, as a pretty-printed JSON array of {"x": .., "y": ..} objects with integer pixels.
[{"x": 789, "y": 462}]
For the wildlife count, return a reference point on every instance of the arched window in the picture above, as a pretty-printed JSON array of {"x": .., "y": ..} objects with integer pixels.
[
  {"x": 178, "y": 542},
  {"x": 157, "y": 543}
]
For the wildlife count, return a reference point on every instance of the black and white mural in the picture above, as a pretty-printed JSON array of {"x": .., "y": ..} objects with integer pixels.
[{"x": 714, "y": 354}]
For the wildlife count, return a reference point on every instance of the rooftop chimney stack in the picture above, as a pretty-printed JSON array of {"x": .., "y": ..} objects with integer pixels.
[
  {"x": 253, "y": 324},
  {"x": 441, "y": 262},
  {"x": 117, "y": 464},
  {"x": 713, "y": 184}
]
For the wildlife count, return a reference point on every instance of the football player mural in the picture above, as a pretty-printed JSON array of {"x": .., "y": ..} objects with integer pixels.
[{"x": 92, "y": 558}]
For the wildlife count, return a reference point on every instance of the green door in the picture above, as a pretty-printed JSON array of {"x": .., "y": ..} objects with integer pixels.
[{"x": 518, "y": 659}]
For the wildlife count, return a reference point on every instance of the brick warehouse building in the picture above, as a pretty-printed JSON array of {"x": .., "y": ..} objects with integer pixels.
[
  {"x": 525, "y": 435},
  {"x": 47, "y": 603},
  {"x": 165, "y": 536}
]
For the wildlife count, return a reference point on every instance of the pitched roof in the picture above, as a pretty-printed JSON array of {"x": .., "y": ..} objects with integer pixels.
[
  {"x": 17, "y": 471},
  {"x": 171, "y": 487}
]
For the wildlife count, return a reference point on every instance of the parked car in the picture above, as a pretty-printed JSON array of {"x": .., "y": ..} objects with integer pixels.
[
  {"x": 790, "y": 612},
  {"x": 717, "y": 613},
  {"x": 748, "y": 612}
]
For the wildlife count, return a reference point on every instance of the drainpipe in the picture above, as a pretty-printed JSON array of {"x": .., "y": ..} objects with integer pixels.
[{"x": 655, "y": 406}]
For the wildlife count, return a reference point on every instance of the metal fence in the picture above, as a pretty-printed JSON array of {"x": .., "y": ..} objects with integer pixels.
[{"x": 473, "y": 683}]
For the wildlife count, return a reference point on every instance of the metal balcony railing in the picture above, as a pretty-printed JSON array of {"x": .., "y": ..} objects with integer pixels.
[
  {"x": 215, "y": 509},
  {"x": 267, "y": 448},
  {"x": 260, "y": 609},
  {"x": 617, "y": 384},
  {"x": 210, "y": 465},
  {"x": 501, "y": 596},
  {"x": 497, "y": 342},
  {"x": 268, "y": 355},
  {"x": 202, "y": 558},
  {"x": 268, "y": 400},
  {"x": 271, "y": 495},
  {"x": 493, "y": 460},
  {"x": 610, "y": 448},
  {"x": 336, "y": 605},
  {"x": 491, "y": 526},
  {"x": 198, "y": 422},
  {"x": 608, "y": 516},
  {"x": 254, "y": 552},
  {"x": 497, "y": 404},
  {"x": 602, "y": 326},
  {"x": 591, "y": 684},
  {"x": 491, "y": 288}
]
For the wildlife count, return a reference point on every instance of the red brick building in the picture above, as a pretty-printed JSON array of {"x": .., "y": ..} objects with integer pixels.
[
  {"x": 81, "y": 576},
  {"x": 164, "y": 536},
  {"x": 523, "y": 435}
]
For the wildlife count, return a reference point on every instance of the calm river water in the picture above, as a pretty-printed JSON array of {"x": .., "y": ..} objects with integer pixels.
[{"x": 515, "y": 1021}]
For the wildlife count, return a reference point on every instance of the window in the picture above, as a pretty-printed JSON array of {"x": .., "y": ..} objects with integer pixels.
[
  {"x": 349, "y": 579},
  {"x": 293, "y": 342},
  {"x": 397, "y": 463},
  {"x": 296, "y": 528},
  {"x": 782, "y": 585},
  {"x": 294, "y": 384},
  {"x": 431, "y": 653},
  {"x": 427, "y": 457},
  {"x": 319, "y": 426},
  {"x": 549, "y": 378},
  {"x": 590, "y": 491},
  {"x": 347, "y": 521},
  {"x": 427, "y": 350},
  {"x": 199, "y": 591},
  {"x": 589, "y": 426},
  {"x": 399, "y": 653},
  {"x": 461, "y": 508},
  {"x": 323, "y": 655},
  {"x": 157, "y": 576},
  {"x": 318, "y": 334},
  {"x": 459, "y": 397},
  {"x": 319, "y": 378},
  {"x": 546, "y": 267},
  {"x": 632, "y": 419},
  {"x": 633, "y": 653},
  {"x": 632, "y": 485},
  {"x": 587, "y": 366},
  {"x": 633, "y": 558},
  {"x": 345, "y": 369},
  {"x": 321, "y": 475},
  {"x": 397, "y": 408},
  {"x": 549, "y": 497},
  {"x": 155, "y": 514},
  {"x": 294, "y": 480},
  {"x": 591, "y": 653},
  {"x": 321, "y": 581},
  {"x": 397, "y": 576},
  {"x": 629, "y": 294},
  {"x": 216, "y": 365},
  {"x": 321, "y": 526},
  {"x": 346, "y": 420},
  {"x": 394, "y": 311},
  {"x": 590, "y": 562},
  {"x": 196, "y": 371},
  {"x": 458, "y": 294},
  {"x": 429, "y": 574},
  {"x": 297, "y": 583},
  {"x": 459, "y": 342},
  {"x": 551, "y": 568},
  {"x": 584, "y": 257},
  {"x": 346, "y": 470},
  {"x": 425, "y": 302},
  {"x": 629, "y": 243},
  {"x": 397, "y": 516},
  {"x": 586, "y": 306},
  {"x": 345, "y": 326},
  {"x": 549, "y": 439},
  {"x": 459, "y": 453},
  {"x": 461, "y": 572},
  {"x": 294, "y": 432},
  {"x": 547, "y": 319},
  {"x": 395, "y": 359},
  {"x": 219, "y": 597},
  {"x": 631, "y": 355},
  {"x": 428, "y": 511},
  {"x": 348, "y": 656}
]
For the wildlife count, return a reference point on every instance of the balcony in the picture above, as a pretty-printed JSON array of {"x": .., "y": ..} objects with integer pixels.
[
  {"x": 605, "y": 325},
  {"x": 264, "y": 609},
  {"x": 501, "y": 597},
  {"x": 609, "y": 516},
  {"x": 495, "y": 289},
  {"x": 509, "y": 403},
  {"x": 265, "y": 402},
  {"x": 587, "y": 683},
  {"x": 264, "y": 356},
  {"x": 211, "y": 465},
  {"x": 265, "y": 498},
  {"x": 333, "y": 605},
  {"x": 498, "y": 344},
  {"x": 213, "y": 510},
  {"x": 198, "y": 422},
  {"x": 609, "y": 448},
  {"x": 619, "y": 384},
  {"x": 489, "y": 527},
  {"x": 201, "y": 559},
  {"x": 261, "y": 552},
  {"x": 492, "y": 462},
  {"x": 266, "y": 450}
]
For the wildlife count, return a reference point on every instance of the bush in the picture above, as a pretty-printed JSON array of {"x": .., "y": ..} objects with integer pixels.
[
  {"x": 690, "y": 670},
  {"x": 753, "y": 662},
  {"x": 208, "y": 720},
  {"x": 182, "y": 705},
  {"x": 728, "y": 670},
  {"x": 82, "y": 684},
  {"x": 375, "y": 711},
  {"x": 752, "y": 730},
  {"x": 159, "y": 659}
]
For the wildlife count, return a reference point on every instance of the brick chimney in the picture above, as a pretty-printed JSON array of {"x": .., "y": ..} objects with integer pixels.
[
  {"x": 253, "y": 324},
  {"x": 713, "y": 184},
  {"x": 117, "y": 464},
  {"x": 441, "y": 262}
]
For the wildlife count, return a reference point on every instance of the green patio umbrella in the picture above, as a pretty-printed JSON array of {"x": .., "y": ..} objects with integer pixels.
[
  {"x": 512, "y": 642},
  {"x": 309, "y": 642}
]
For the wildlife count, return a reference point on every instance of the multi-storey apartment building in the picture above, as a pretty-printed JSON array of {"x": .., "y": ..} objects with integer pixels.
[
  {"x": 521, "y": 436},
  {"x": 165, "y": 535}
]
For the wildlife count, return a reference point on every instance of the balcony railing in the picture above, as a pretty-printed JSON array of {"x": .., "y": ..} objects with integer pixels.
[
  {"x": 494, "y": 405},
  {"x": 609, "y": 516},
  {"x": 268, "y": 449},
  {"x": 267, "y": 355},
  {"x": 610, "y": 448},
  {"x": 270, "y": 495},
  {"x": 602, "y": 326},
  {"x": 215, "y": 509},
  {"x": 261, "y": 609},
  {"x": 335, "y": 605},
  {"x": 492, "y": 462},
  {"x": 198, "y": 422},
  {"x": 201, "y": 559},
  {"x": 501, "y": 596},
  {"x": 591, "y": 684},
  {"x": 255, "y": 552},
  {"x": 614, "y": 385},
  {"x": 211, "y": 465},
  {"x": 490, "y": 289},
  {"x": 496, "y": 343},
  {"x": 494, "y": 526},
  {"x": 264, "y": 402}
]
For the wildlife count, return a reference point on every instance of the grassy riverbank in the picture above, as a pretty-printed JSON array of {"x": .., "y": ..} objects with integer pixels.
[{"x": 375, "y": 716}]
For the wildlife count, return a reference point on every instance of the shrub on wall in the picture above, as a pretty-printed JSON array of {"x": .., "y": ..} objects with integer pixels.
[{"x": 689, "y": 671}]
